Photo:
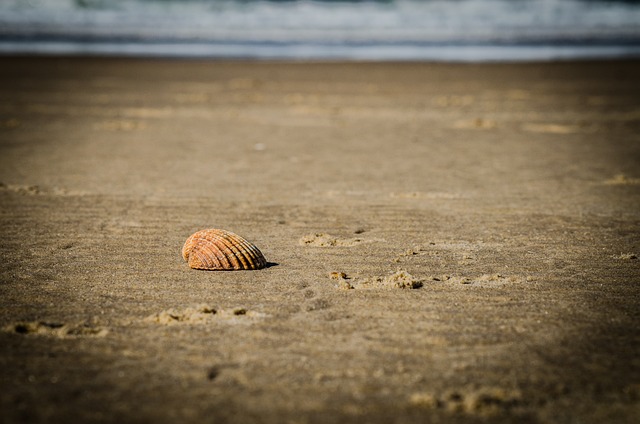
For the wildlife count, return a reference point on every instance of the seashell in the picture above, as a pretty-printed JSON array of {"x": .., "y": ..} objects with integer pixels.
[{"x": 220, "y": 250}]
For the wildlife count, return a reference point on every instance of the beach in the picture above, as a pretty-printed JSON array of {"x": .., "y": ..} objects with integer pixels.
[{"x": 446, "y": 242}]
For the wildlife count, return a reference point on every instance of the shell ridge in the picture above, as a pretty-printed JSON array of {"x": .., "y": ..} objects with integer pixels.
[
  {"x": 240, "y": 244},
  {"x": 261, "y": 260},
  {"x": 215, "y": 249},
  {"x": 188, "y": 247},
  {"x": 214, "y": 259},
  {"x": 197, "y": 260},
  {"x": 204, "y": 252},
  {"x": 217, "y": 240},
  {"x": 236, "y": 244},
  {"x": 244, "y": 254},
  {"x": 231, "y": 252},
  {"x": 254, "y": 256},
  {"x": 222, "y": 253}
]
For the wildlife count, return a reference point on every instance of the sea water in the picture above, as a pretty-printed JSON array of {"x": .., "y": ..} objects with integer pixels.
[{"x": 450, "y": 30}]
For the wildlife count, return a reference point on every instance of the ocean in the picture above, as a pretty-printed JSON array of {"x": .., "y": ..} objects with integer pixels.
[{"x": 411, "y": 30}]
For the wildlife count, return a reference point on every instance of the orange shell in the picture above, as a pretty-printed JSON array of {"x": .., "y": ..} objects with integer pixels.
[{"x": 221, "y": 250}]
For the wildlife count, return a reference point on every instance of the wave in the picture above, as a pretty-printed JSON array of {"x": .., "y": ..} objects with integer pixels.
[{"x": 398, "y": 29}]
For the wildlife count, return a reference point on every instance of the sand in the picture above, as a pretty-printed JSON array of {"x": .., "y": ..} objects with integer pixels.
[{"x": 447, "y": 243}]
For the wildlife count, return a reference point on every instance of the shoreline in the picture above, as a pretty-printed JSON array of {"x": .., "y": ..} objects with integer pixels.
[
  {"x": 22, "y": 56},
  {"x": 425, "y": 53}
]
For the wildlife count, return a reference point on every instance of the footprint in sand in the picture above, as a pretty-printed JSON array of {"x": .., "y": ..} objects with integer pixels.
[
  {"x": 626, "y": 257},
  {"x": 398, "y": 280},
  {"x": 55, "y": 329},
  {"x": 485, "y": 280},
  {"x": 477, "y": 124},
  {"x": 34, "y": 190},
  {"x": 487, "y": 401},
  {"x": 403, "y": 280},
  {"x": 454, "y": 101},
  {"x": 622, "y": 179},
  {"x": 192, "y": 97},
  {"x": 430, "y": 195},
  {"x": 552, "y": 128},
  {"x": 203, "y": 314},
  {"x": 10, "y": 123},
  {"x": 122, "y": 125},
  {"x": 327, "y": 240},
  {"x": 20, "y": 188}
]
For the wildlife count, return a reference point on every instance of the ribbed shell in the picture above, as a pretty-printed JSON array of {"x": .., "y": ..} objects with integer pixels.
[{"x": 221, "y": 250}]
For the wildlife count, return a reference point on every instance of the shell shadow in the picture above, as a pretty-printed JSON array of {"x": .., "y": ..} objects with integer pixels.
[{"x": 271, "y": 264}]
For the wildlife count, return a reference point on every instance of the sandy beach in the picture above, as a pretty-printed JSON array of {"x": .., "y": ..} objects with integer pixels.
[{"x": 446, "y": 243}]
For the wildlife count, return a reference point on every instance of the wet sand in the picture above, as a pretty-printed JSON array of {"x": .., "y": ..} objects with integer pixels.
[{"x": 447, "y": 243}]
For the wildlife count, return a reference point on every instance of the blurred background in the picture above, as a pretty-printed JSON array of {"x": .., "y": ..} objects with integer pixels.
[{"x": 452, "y": 30}]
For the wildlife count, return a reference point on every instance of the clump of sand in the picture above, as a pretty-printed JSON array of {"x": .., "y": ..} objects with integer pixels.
[
  {"x": 398, "y": 280},
  {"x": 485, "y": 280},
  {"x": 200, "y": 314},
  {"x": 327, "y": 240},
  {"x": 487, "y": 401},
  {"x": 56, "y": 329},
  {"x": 622, "y": 179},
  {"x": 401, "y": 280},
  {"x": 626, "y": 256}
]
